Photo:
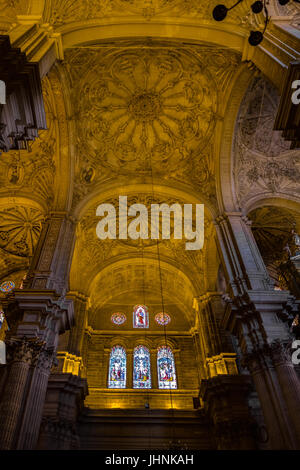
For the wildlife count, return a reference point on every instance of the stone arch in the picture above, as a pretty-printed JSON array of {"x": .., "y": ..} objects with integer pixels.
[
  {"x": 225, "y": 184},
  {"x": 263, "y": 165},
  {"x": 65, "y": 132}
]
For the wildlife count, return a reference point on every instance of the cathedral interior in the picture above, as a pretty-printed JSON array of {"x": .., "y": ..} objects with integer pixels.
[{"x": 140, "y": 343}]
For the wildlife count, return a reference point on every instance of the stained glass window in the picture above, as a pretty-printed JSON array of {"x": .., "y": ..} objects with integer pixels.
[
  {"x": 117, "y": 368},
  {"x": 1, "y": 318},
  {"x": 7, "y": 286},
  {"x": 118, "y": 318},
  {"x": 162, "y": 319},
  {"x": 166, "y": 368},
  {"x": 141, "y": 368},
  {"x": 140, "y": 317}
]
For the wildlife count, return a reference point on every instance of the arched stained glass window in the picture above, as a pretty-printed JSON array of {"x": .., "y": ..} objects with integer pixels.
[
  {"x": 141, "y": 368},
  {"x": 166, "y": 368},
  {"x": 117, "y": 368},
  {"x": 2, "y": 318},
  {"x": 140, "y": 317}
]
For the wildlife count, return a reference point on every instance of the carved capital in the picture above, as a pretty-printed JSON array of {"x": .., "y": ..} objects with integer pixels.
[{"x": 23, "y": 350}]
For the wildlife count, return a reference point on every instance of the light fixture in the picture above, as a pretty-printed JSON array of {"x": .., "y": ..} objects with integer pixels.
[
  {"x": 257, "y": 7},
  {"x": 220, "y": 12}
]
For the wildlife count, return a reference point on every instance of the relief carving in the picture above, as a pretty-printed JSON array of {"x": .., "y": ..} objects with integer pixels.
[{"x": 263, "y": 163}]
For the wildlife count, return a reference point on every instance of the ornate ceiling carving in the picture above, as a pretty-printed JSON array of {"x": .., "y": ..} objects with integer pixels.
[
  {"x": 272, "y": 228},
  {"x": 291, "y": 10},
  {"x": 32, "y": 172},
  {"x": 61, "y": 12},
  {"x": 20, "y": 228},
  {"x": 263, "y": 163},
  {"x": 92, "y": 254},
  {"x": 147, "y": 111},
  {"x": 11, "y": 8}
]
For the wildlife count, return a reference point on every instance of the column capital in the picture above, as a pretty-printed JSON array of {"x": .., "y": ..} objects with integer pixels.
[{"x": 38, "y": 314}]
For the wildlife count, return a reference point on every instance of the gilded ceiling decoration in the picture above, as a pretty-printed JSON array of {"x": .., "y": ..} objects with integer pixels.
[
  {"x": 273, "y": 228},
  {"x": 263, "y": 163},
  {"x": 91, "y": 253},
  {"x": 150, "y": 111},
  {"x": 11, "y": 8},
  {"x": 137, "y": 108},
  {"x": 20, "y": 228},
  {"x": 61, "y": 12},
  {"x": 90, "y": 220},
  {"x": 32, "y": 172},
  {"x": 291, "y": 10}
]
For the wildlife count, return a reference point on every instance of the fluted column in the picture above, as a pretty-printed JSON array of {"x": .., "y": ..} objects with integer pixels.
[
  {"x": 53, "y": 255},
  {"x": 20, "y": 353},
  {"x": 255, "y": 309},
  {"x": 29, "y": 431},
  {"x": 289, "y": 381},
  {"x": 37, "y": 315}
]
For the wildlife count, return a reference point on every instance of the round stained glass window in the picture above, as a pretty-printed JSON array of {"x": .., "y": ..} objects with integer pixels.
[
  {"x": 118, "y": 318},
  {"x": 162, "y": 319},
  {"x": 7, "y": 286}
]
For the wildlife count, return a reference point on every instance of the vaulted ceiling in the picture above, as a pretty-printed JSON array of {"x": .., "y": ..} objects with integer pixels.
[{"x": 138, "y": 107}]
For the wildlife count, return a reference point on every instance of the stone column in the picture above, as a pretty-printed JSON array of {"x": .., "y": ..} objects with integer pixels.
[
  {"x": 225, "y": 403},
  {"x": 105, "y": 365},
  {"x": 153, "y": 362},
  {"x": 63, "y": 404},
  {"x": 201, "y": 362},
  {"x": 80, "y": 302},
  {"x": 129, "y": 379},
  {"x": 53, "y": 255},
  {"x": 289, "y": 381},
  {"x": 20, "y": 354},
  {"x": 33, "y": 411},
  {"x": 254, "y": 317},
  {"x": 178, "y": 368},
  {"x": 217, "y": 351},
  {"x": 37, "y": 315}
]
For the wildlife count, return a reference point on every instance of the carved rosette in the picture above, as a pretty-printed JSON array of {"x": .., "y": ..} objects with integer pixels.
[
  {"x": 141, "y": 112},
  {"x": 20, "y": 228}
]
